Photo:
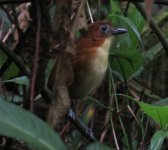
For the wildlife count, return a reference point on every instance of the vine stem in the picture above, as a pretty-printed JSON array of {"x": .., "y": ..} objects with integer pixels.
[{"x": 37, "y": 49}]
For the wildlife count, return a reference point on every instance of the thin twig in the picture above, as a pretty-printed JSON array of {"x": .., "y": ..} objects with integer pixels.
[
  {"x": 8, "y": 33},
  {"x": 117, "y": 107},
  {"x": 133, "y": 93},
  {"x": 16, "y": 20},
  {"x": 17, "y": 60},
  {"x": 107, "y": 119},
  {"x": 114, "y": 135},
  {"x": 75, "y": 22},
  {"x": 90, "y": 14},
  {"x": 64, "y": 129},
  {"x": 145, "y": 86},
  {"x": 33, "y": 79},
  {"x": 133, "y": 114}
]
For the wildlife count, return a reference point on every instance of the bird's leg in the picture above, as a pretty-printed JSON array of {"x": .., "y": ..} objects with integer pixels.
[{"x": 74, "y": 119}]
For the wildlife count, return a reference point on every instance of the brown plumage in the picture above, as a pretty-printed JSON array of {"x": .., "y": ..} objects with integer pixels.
[
  {"x": 89, "y": 66},
  {"x": 91, "y": 58}
]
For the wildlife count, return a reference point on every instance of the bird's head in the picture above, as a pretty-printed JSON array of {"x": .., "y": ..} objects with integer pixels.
[
  {"x": 97, "y": 33},
  {"x": 104, "y": 29}
]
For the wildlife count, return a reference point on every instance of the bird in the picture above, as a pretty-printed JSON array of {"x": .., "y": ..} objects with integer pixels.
[
  {"x": 89, "y": 65},
  {"x": 91, "y": 58}
]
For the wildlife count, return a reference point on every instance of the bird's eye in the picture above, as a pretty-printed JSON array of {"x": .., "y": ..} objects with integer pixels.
[{"x": 104, "y": 28}]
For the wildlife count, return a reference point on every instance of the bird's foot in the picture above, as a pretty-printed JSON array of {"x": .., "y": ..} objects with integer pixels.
[
  {"x": 71, "y": 114},
  {"x": 83, "y": 129},
  {"x": 89, "y": 132}
]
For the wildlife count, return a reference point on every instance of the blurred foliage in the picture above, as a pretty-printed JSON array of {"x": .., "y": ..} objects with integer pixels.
[
  {"x": 21, "y": 124},
  {"x": 137, "y": 58},
  {"x": 125, "y": 54}
]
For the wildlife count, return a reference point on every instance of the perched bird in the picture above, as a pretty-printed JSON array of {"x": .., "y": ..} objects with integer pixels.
[
  {"x": 91, "y": 58},
  {"x": 89, "y": 65}
]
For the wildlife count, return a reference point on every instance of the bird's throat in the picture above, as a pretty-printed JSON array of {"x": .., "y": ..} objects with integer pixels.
[
  {"x": 100, "y": 59},
  {"x": 89, "y": 77},
  {"x": 98, "y": 66}
]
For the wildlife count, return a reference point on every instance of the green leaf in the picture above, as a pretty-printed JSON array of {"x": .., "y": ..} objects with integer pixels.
[
  {"x": 2, "y": 58},
  {"x": 157, "y": 139},
  {"x": 127, "y": 62},
  {"x": 135, "y": 16},
  {"x": 129, "y": 23},
  {"x": 138, "y": 20},
  {"x": 115, "y": 8},
  {"x": 49, "y": 68},
  {"x": 97, "y": 146},
  {"x": 157, "y": 113},
  {"x": 23, "y": 80},
  {"x": 126, "y": 58},
  {"x": 11, "y": 72},
  {"x": 18, "y": 123}
]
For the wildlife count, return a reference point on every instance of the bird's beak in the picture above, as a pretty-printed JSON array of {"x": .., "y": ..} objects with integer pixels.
[{"x": 116, "y": 31}]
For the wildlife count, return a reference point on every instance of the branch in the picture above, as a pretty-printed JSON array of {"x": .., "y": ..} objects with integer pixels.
[
  {"x": 46, "y": 93},
  {"x": 34, "y": 73},
  {"x": 17, "y": 60},
  {"x": 154, "y": 27},
  {"x": 86, "y": 132}
]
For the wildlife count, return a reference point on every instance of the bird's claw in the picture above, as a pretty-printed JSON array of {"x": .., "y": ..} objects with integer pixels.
[
  {"x": 71, "y": 114},
  {"x": 89, "y": 131}
]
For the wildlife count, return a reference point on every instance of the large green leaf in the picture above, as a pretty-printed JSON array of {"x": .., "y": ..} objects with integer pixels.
[
  {"x": 157, "y": 139},
  {"x": 158, "y": 113},
  {"x": 126, "y": 62},
  {"x": 126, "y": 57},
  {"x": 135, "y": 16},
  {"x": 18, "y": 123},
  {"x": 134, "y": 23},
  {"x": 128, "y": 22},
  {"x": 97, "y": 146}
]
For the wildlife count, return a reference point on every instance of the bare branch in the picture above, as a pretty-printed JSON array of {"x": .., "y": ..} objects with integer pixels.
[
  {"x": 154, "y": 27},
  {"x": 17, "y": 60}
]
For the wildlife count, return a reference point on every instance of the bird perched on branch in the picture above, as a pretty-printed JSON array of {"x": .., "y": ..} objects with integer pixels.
[
  {"x": 89, "y": 65},
  {"x": 91, "y": 59}
]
